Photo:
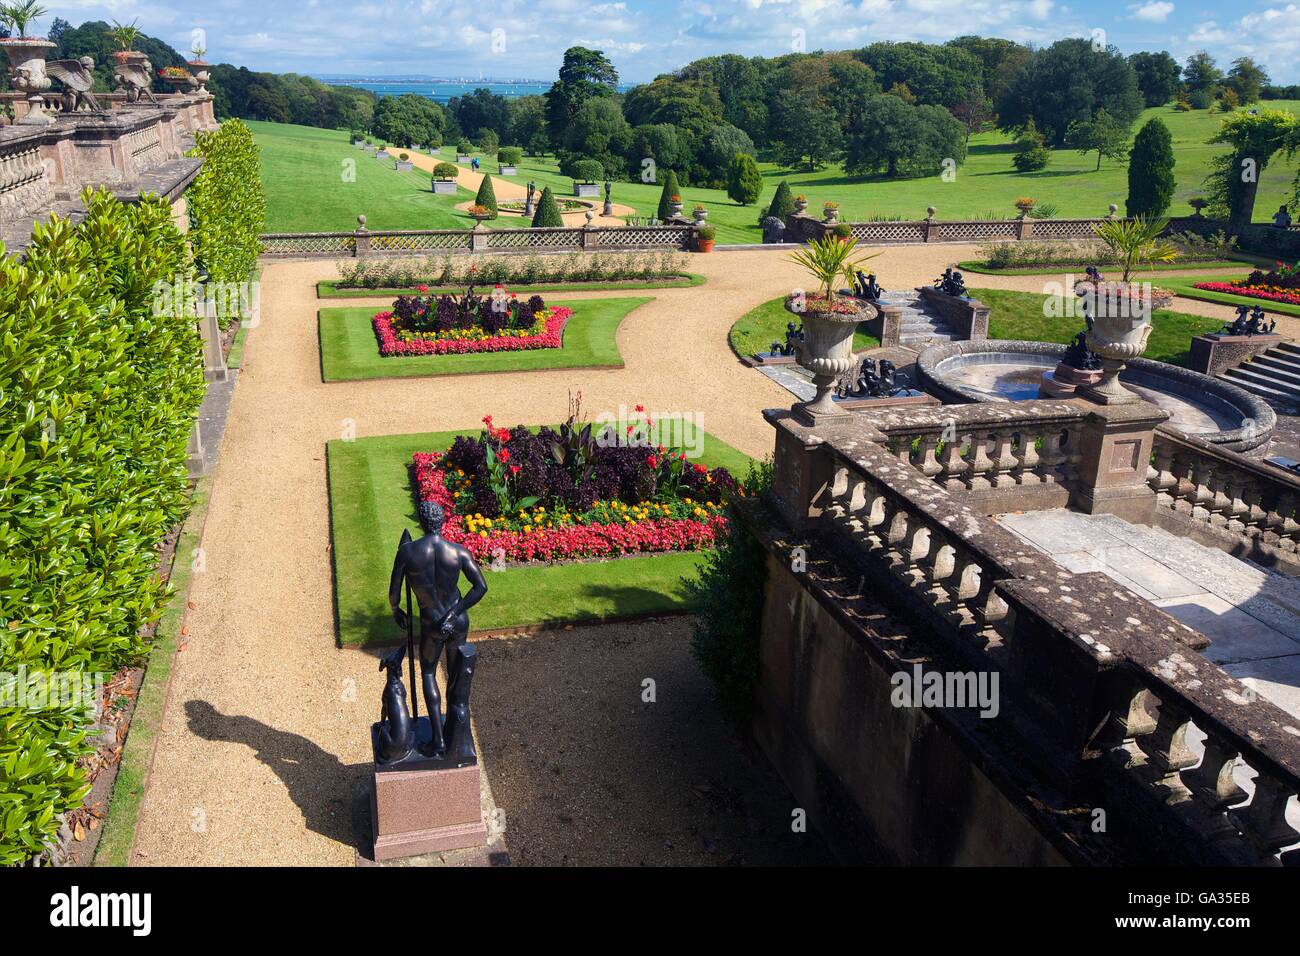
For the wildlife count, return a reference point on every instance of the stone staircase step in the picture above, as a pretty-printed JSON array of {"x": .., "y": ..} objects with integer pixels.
[
  {"x": 1276, "y": 364},
  {"x": 1289, "y": 348},
  {"x": 1262, "y": 384}
]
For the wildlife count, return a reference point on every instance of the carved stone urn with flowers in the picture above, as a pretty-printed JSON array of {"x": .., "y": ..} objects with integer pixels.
[
  {"x": 829, "y": 321},
  {"x": 1119, "y": 316},
  {"x": 27, "y": 59}
]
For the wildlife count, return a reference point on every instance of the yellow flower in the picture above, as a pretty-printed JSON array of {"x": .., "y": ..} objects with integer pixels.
[{"x": 482, "y": 534}]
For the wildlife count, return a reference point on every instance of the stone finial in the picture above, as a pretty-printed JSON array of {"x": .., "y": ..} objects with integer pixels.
[
  {"x": 361, "y": 223},
  {"x": 1113, "y": 210},
  {"x": 590, "y": 216},
  {"x": 929, "y": 212}
]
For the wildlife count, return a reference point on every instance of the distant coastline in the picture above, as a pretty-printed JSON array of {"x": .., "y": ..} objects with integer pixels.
[{"x": 441, "y": 90}]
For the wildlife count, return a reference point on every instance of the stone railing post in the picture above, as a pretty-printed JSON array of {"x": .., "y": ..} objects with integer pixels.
[
  {"x": 802, "y": 466},
  {"x": 1115, "y": 444},
  {"x": 196, "y": 460},
  {"x": 478, "y": 238},
  {"x": 931, "y": 227},
  {"x": 214, "y": 359},
  {"x": 1024, "y": 227},
  {"x": 589, "y": 238},
  {"x": 362, "y": 235}
]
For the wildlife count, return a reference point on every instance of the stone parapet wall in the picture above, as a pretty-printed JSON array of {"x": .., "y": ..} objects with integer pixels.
[{"x": 1100, "y": 691}]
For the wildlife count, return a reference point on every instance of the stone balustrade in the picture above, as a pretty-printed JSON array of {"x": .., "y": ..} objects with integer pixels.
[
  {"x": 1239, "y": 504},
  {"x": 1101, "y": 690}
]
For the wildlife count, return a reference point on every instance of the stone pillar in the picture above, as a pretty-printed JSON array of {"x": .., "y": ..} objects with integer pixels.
[
  {"x": 478, "y": 238},
  {"x": 214, "y": 360},
  {"x": 363, "y": 238},
  {"x": 1024, "y": 227},
  {"x": 931, "y": 228},
  {"x": 1114, "y": 451},
  {"x": 801, "y": 468},
  {"x": 196, "y": 461}
]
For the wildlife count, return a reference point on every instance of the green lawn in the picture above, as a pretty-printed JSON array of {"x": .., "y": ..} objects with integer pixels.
[
  {"x": 757, "y": 329},
  {"x": 985, "y": 184},
  {"x": 306, "y": 191},
  {"x": 349, "y": 350},
  {"x": 1019, "y": 315},
  {"x": 1078, "y": 267},
  {"x": 1183, "y": 286},
  {"x": 329, "y": 288},
  {"x": 371, "y": 504}
]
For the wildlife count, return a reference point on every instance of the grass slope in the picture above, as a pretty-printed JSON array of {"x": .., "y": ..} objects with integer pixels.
[
  {"x": 758, "y": 328},
  {"x": 985, "y": 183},
  {"x": 349, "y": 351},
  {"x": 1019, "y": 315},
  {"x": 371, "y": 504}
]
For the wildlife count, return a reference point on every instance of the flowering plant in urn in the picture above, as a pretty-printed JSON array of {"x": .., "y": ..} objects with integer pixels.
[
  {"x": 1119, "y": 324},
  {"x": 829, "y": 319}
]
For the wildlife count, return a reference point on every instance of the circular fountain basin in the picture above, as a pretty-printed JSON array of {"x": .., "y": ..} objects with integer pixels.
[{"x": 997, "y": 370}]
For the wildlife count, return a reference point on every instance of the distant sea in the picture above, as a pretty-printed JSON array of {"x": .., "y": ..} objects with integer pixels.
[{"x": 440, "y": 90}]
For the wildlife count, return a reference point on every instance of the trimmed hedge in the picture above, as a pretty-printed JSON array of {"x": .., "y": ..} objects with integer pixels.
[
  {"x": 548, "y": 213},
  {"x": 227, "y": 203},
  {"x": 588, "y": 171},
  {"x": 665, "y": 210},
  {"x": 509, "y": 155},
  {"x": 487, "y": 196},
  {"x": 446, "y": 171},
  {"x": 97, "y": 398}
]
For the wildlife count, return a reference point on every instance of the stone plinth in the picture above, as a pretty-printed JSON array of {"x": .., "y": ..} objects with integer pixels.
[
  {"x": 1113, "y": 454},
  {"x": 1064, "y": 380},
  {"x": 425, "y": 806},
  {"x": 1214, "y": 353},
  {"x": 969, "y": 318}
]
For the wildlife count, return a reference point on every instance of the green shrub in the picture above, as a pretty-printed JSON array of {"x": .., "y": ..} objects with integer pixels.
[
  {"x": 509, "y": 155},
  {"x": 98, "y": 393},
  {"x": 548, "y": 213},
  {"x": 486, "y": 196},
  {"x": 782, "y": 204},
  {"x": 707, "y": 232},
  {"x": 670, "y": 189},
  {"x": 464, "y": 147},
  {"x": 587, "y": 170},
  {"x": 487, "y": 140},
  {"x": 227, "y": 203},
  {"x": 446, "y": 171},
  {"x": 1151, "y": 171},
  {"x": 744, "y": 181},
  {"x": 728, "y": 593}
]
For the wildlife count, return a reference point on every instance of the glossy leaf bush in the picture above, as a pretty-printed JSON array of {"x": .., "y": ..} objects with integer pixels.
[
  {"x": 97, "y": 397},
  {"x": 227, "y": 203}
]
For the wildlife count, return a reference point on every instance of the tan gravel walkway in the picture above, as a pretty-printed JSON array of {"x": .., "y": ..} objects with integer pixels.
[
  {"x": 265, "y": 731},
  {"x": 508, "y": 188}
]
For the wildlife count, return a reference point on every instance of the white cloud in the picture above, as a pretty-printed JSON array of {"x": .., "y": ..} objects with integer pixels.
[{"x": 1154, "y": 11}]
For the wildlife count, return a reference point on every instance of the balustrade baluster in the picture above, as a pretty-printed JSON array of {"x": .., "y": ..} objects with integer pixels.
[
  {"x": 1003, "y": 460},
  {"x": 1263, "y": 820},
  {"x": 954, "y": 465},
  {"x": 979, "y": 463},
  {"x": 1028, "y": 461},
  {"x": 928, "y": 461},
  {"x": 1212, "y": 783},
  {"x": 1166, "y": 748}
]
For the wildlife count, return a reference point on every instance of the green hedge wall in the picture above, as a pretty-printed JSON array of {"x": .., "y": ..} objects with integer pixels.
[
  {"x": 227, "y": 203},
  {"x": 97, "y": 398}
]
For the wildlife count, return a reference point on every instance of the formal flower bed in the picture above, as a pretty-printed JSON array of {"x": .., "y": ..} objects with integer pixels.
[
  {"x": 574, "y": 492},
  {"x": 1280, "y": 284},
  {"x": 457, "y": 325}
]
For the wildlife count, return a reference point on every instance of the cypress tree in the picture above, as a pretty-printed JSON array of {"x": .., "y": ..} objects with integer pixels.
[
  {"x": 548, "y": 213},
  {"x": 1151, "y": 171},
  {"x": 744, "y": 181},
  {"x": 487, "y": 195},
  {"x": 670, "y": 189},
  {"x": 782, "y": 202}
]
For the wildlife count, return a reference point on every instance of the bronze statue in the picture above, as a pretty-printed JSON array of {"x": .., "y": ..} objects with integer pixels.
[{"x": 430, "y": 567}]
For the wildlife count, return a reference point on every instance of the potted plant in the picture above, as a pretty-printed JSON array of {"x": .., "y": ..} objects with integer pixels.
[
  {"x": 800, "y": 204},
  {"x": 700, "y": 212},
  {"x": 705, "y": 237},
  {"x": 1198, "y": 203},
  {"x": 830, "y": 211},
  {"x": 404, "y": 161},
  {"x": 675, "y": 205},
  {"x": 444, "y": 178},
  {"x": 382, "y": 152},
  {"x": 125, "y": 36},
  {"x": 508, "y": 158},
  {"x": 463, "y": 150},
  {"x": 176, "y": 77},
  {"x": 829, "y": 319},
  {"x": 1025, "y": 204},
  {"x": 479, "y": 212},
  {"x": 199, "y": 67},
  {"x": 585, "y": 174},
  {"x": 27, "y": 58},
  {"x": 842, "y": 231}
]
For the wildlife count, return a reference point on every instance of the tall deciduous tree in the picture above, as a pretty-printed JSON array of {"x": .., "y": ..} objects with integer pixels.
[
  {"x": 1068, "y": 82},
  {"x": 1102, "y": 134},
  {"x": 1246, "y": 79},
  {"x": 1201, "y": 76},
  {"x": 802, "y": 132},
  {"x": 1151, "y": 171},
  {"x": 894, "y": 137},
  {"x": 584, "y": 74},
  {"x": 1158, "y": 76},
  {"x": 1255, "y": 139}
]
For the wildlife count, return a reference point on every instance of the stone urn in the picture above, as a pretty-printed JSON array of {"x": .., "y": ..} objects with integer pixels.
[
  {"x": 1121, "y": 325},
  {"x": 827, "y": 349},
  {"x": 831, "y": 214},
  {"x": 178, "y": 84},
  {"x": 27, "y": 68},
  {"x": 800, "y": 205},
  {"x": 675, "y": 208},
  {"x": 200, "y": 70}
]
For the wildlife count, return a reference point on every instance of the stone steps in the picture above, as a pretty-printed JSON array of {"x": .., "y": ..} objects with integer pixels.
[
  {"x": 1265, "y": 381},
  {"x": 1283, "y": 362}
]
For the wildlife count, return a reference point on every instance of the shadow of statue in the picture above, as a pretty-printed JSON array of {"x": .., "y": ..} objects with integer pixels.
[{"x": 318, "y": 782}]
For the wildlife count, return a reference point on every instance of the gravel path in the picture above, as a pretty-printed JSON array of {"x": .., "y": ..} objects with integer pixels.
[
  {"x": 506, "y": 188},
  {"x": 265, "y": 730}
]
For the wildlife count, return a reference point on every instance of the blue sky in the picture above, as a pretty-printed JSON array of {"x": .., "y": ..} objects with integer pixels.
[{"x": 526, "y": 38}]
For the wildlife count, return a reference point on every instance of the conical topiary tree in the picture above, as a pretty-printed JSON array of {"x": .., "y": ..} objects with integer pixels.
[
  {"x": 548, "y": 213},
  {"x": 665, "y": 201},
  {"x": 744, "y": 180},
  {"x": 1151, "y": 171},
  {"x": 487, "y": 197},
  {"x": 782, "y": 205}
]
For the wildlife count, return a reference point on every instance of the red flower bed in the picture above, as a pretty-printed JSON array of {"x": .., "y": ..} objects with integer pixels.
[
  {"x": 390, "y": 344},
  {"x": 1252, "y": 293},
  {"x": 650, "y": 535}
]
